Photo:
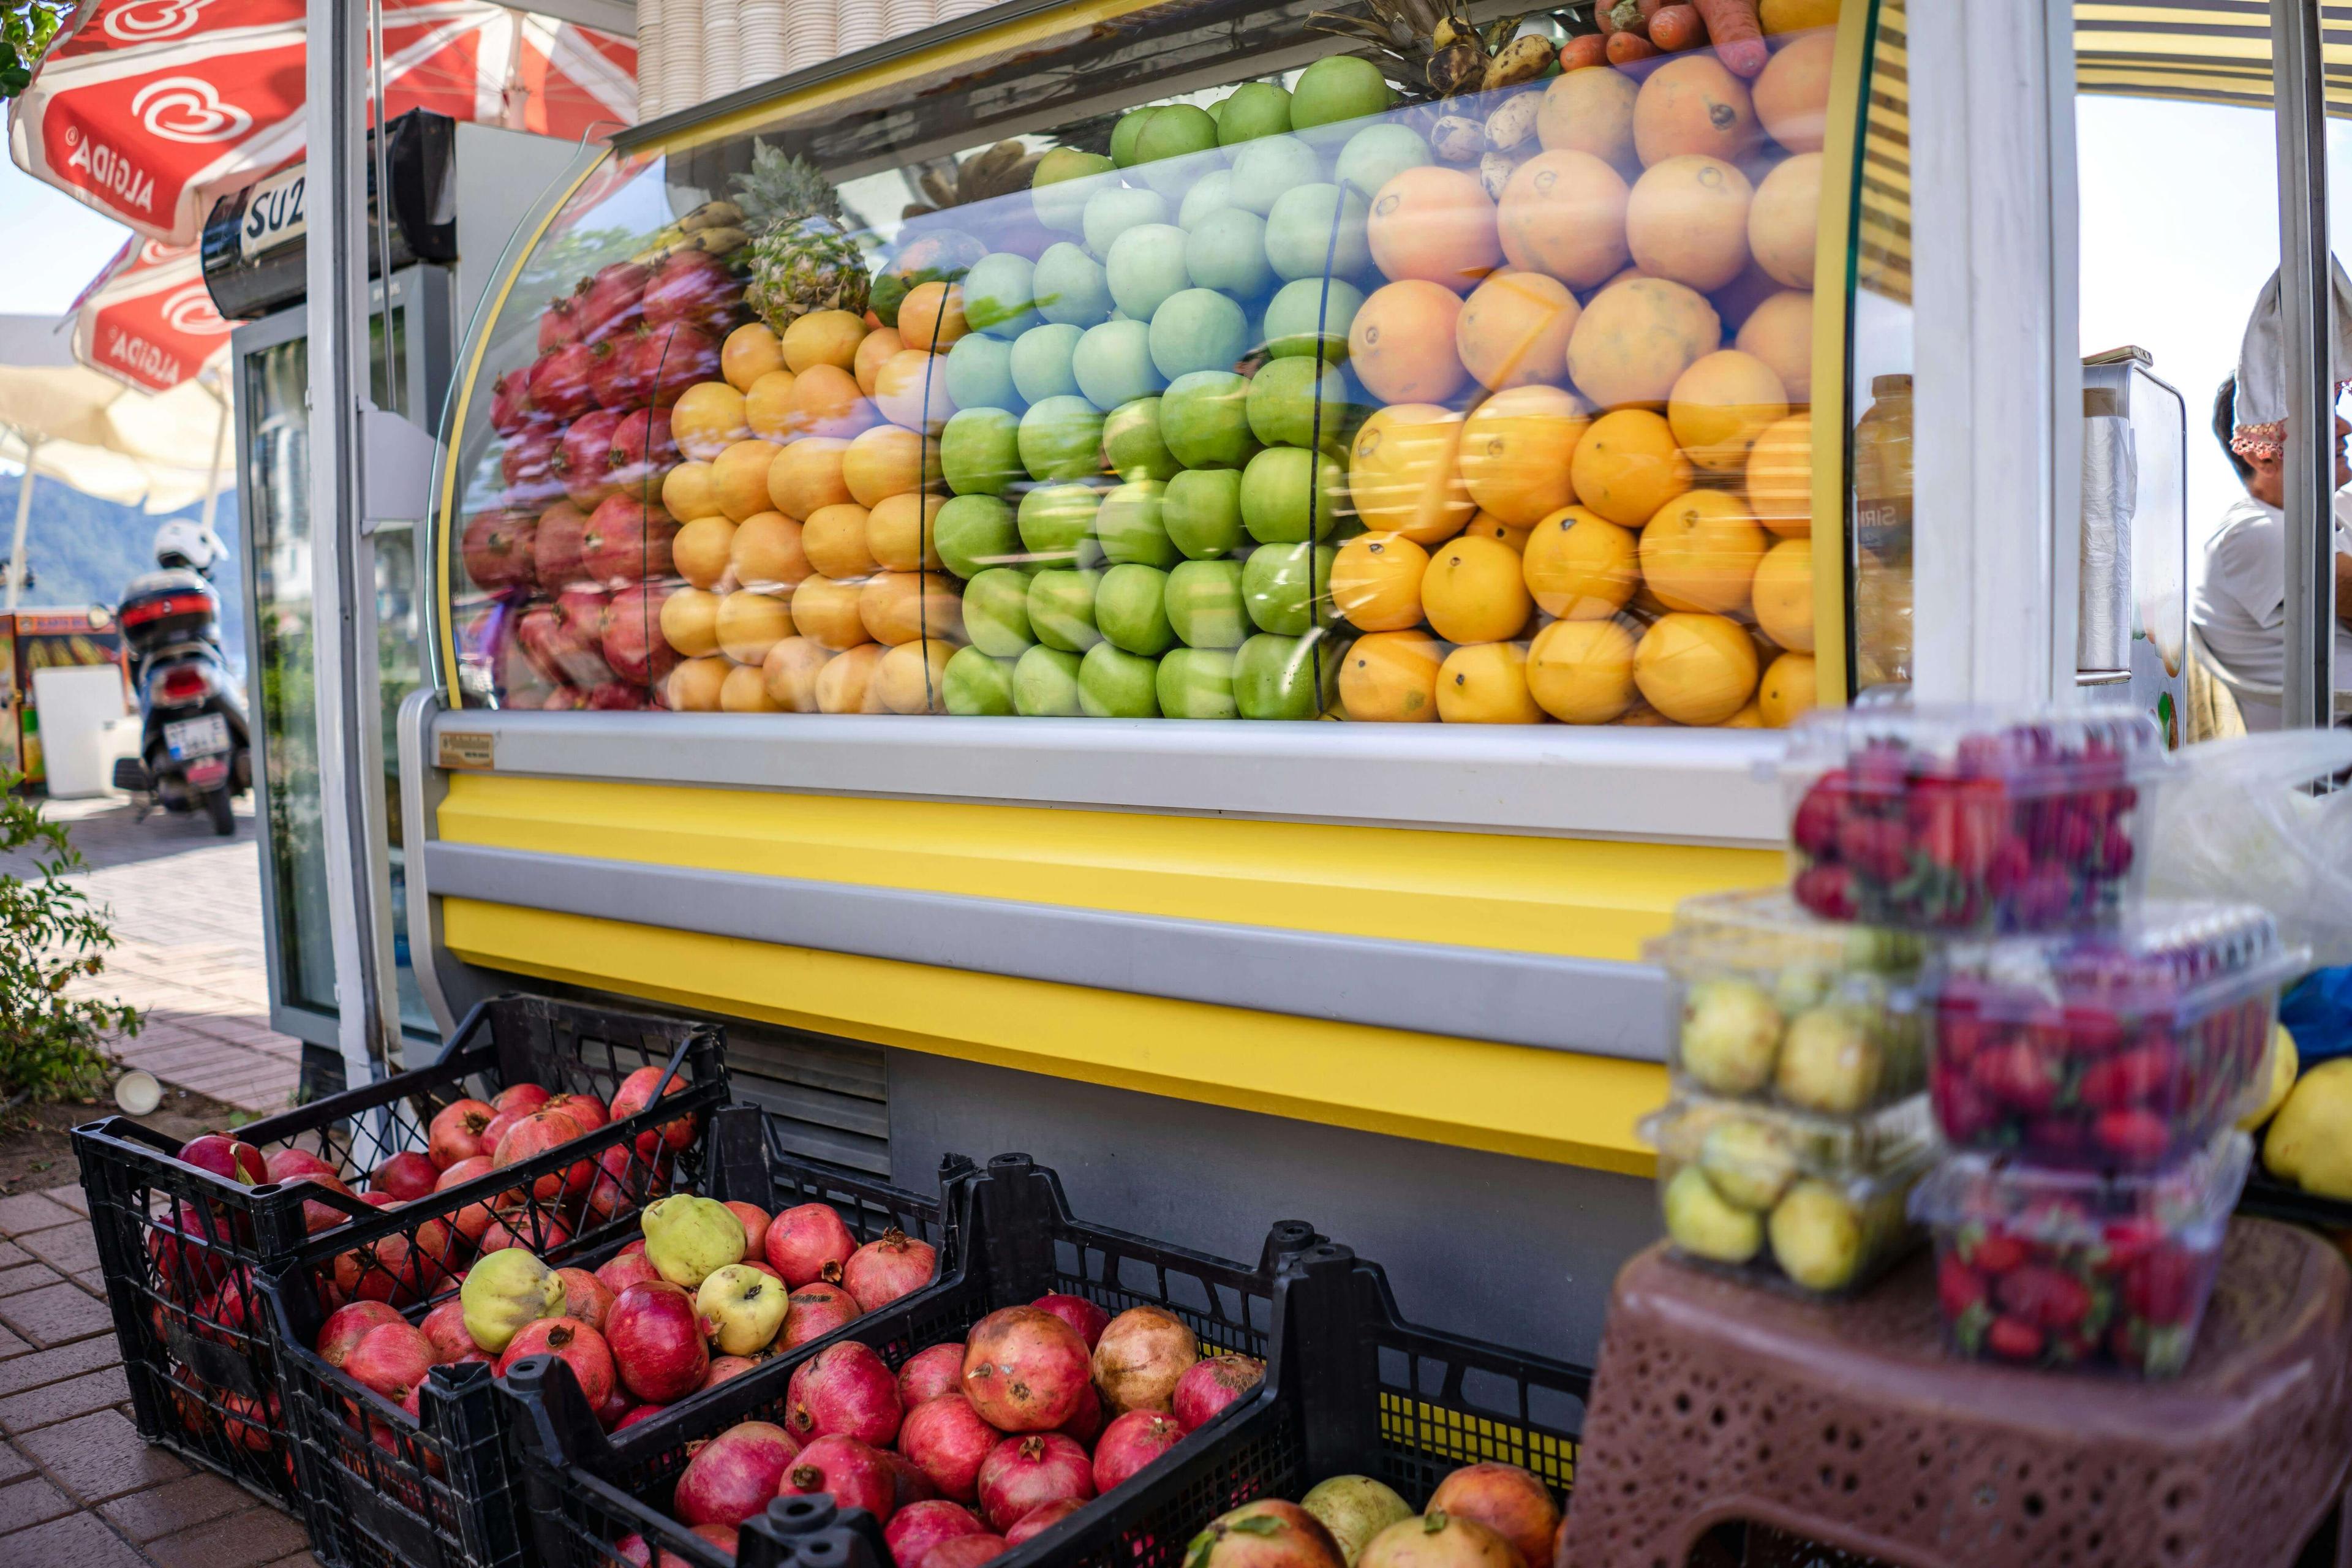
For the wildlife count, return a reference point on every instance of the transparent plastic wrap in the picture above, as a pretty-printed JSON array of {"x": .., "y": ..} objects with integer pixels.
[
  {"x": 1772, "y": 1004},
  {"x": 2123, "y": 1049},
  {"x": 2234, "y": 822},
  {"x": 2071, "y": 1269},
  {"x": 1811, "y": 1204},
  {"x": 1970, "y": 820}
]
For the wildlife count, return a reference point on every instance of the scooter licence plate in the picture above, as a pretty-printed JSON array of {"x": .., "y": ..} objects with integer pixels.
[{"x": 205, "y": 737}]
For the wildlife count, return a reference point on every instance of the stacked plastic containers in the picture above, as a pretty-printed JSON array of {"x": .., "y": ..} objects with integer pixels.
[{"x": 2086, "y": 1052}]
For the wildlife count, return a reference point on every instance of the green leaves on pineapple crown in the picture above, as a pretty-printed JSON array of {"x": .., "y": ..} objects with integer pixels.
[{"x": 781, "y": 186}]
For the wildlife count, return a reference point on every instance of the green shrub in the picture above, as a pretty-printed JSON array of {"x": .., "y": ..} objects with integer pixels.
[{"x": 51, "y": 1045}]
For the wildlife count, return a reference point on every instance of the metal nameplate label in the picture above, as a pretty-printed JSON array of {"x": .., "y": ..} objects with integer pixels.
[{"x": 467, "y": 749}]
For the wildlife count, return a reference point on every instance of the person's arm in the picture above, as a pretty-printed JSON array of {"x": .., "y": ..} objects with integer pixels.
[{"x": 2344, "y": 586}]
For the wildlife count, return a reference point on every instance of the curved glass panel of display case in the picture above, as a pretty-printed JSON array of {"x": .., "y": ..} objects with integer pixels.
[{"x": 1286, "y": 395}]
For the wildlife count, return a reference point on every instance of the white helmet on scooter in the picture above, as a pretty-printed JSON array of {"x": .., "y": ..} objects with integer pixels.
[{"x": 183, "y": 541}]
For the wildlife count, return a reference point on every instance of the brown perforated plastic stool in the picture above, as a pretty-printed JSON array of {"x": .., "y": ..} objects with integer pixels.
[{"x": 1846, "y": 1424}]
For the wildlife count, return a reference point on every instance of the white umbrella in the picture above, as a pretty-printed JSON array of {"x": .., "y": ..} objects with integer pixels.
[{"x": 62, "y": 421}]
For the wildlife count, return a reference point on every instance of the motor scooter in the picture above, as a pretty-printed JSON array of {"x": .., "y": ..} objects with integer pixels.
[{"x": 196, "y": 746}]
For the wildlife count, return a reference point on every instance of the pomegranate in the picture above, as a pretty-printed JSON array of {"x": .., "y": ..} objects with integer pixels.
[
  {"x": 931, "y": 1373},
  {"x": 346, "y": 1326},
  {"x": 1142, "y": 1356},
  {"x": 725, "y": 1537},
  {"x": 532, "y": 1229},
  {"x": 1025, "y": 1370},
  {"x": 585, "y": 1297},
  {"x": 1079, "y": 1313},
  {"x": 497, "y": 549},
  {"x": 474, "y": 1219},
  {"x": 853, "y": 1473},
  {"x": 1026, "y": 1472},
  {"x": 393, "y": 1359},
  {"x": 320, "y": 1215},
  {"x": 445, "y": 1325},
  {"x": 627, "y": 540},
  {"x": 456, "y": 1131},
  {"x": 182, "y": 1250},
  {"x": 582, "y": 461},
  {"x": 231, "y": 1159},
  {"x": 571, "y": 1341},
  {"x": 619, "y": 696},
  {"x": 406, "y": 1176},
  {"x": 736, "y": 1474},
  {"x": 633, "y": 645},
  {"x": 632, "y": 1548},
  {"x": 612, "y": 302},
  {"x": 1131, "y": 1441},
  {"x": 628, "y": 1269},
  {"x": 555, "y": 547},
  {"x": 526, "y": 465},
  {"x": 638, "y": 1413},
  {"x": 635, "y": 1093},
  {"x": 559, "y": 325},
  {"x": 1270, "y": 1534},
  {"x": 286, "y": 1164},
  {"x": 643, "y": 453},
  {"x": 1507, "y": 1499},
  {"x": 249, "y": 1421},
  {"x": 536, "y": 1134},
  {"x": 622, "y": 1183},
  {"x": 1212, "y": 1383},
  {"x": 612, "y": 369},
  {"x": 816, "y": 1311},
  {"x": 809, "y": 1242},
  {"x": 616, "y": 1406},
  {"x": 521, "y": 1099},
  {"x": 949, "y": 1442},
  {"x": 913, "y": 1486},
  {"x": 578, "y": 646},
  {"x": 1088, "y": 1424},
  {"x": 1041, "y": 1519},
  {"x": 510, "y": 408},
  {"x": 844, "y": 1390},
  {"x": 967, "y": 1552},
  {"x": 918, "y": 1530},
  {"x": 724, "y": 1367},
  {"x": 1439, "y": 1540},
  {"x": 884, "y": 1269},
  {"x": 560, "y": 383},
  {"x": 755, "y": 1234},
  {"x": 500, "y": 1124},
  {"x": 657, "y": 1344},
  {"x": 692, "y": 288}
]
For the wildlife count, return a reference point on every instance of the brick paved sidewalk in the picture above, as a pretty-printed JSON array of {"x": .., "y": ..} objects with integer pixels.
[
  {"x": 77, "y": 1489},
  {"x": 186, "y": 908}
]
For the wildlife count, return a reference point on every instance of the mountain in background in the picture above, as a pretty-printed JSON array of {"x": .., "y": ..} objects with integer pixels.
[{"x": 82, "y": 551}]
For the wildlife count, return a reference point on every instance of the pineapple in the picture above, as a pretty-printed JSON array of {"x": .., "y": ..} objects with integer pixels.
[{"x": 803, "y": 255}]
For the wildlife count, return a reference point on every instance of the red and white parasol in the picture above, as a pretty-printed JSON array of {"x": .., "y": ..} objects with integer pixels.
[
  {"x": 148, "y": 319},
  {"x": 149, "y": 109}
]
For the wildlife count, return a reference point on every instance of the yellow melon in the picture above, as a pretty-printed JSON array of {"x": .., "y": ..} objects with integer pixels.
[
  {"x": 1699, "y": 552},
  {"x": 1635, "y": 337},
  {"x": 1589, "y": 111},
  {"x": 1692, "y": 104},
  {"x": 1580, "y": 566},
  {"x": 823, "y": 337},
  {"x": 1513, "y": 329},
  {"x": 913, "y": 675},
  {"x": 1627, "y": 466},
  {"x": 706, "y": 419},
  {"x": 1391, "y": 678},
  {"x": 1402, "y": 473},
  {"x": 1695, "y": 668},
  {"x": 1785, "y": 219},
  {"x": 766, "y": 552},
  {"x": 1687, "y": 221},
  {"x": 1721, "y": 404},
  {"x": 750, "y": 624},
  {"x": 846, "y": 683},
  {"x": 750, "y": 353},
  {"x": 825, "y": 612},
  {"x": 694, "y": 686},
  {"x": 769, "y": 408},
  {"x": 739, "y": 477},
  {"x": 1780, "y": 475},
  {"x": 1582, "y": 672},
  {"x": 1787, "y": 691},
  {"x": 898, "y": 532},
  {"x": 1563, "y": 213},
  {"x": 806, "y": 476},
  {"x": 1376, "y": 582},
  {"x": 1486, "y": 683},
  {"x": 886, "y": 461},
  {"x": 790, "y": 671},
  {"x": 1780, "y": 331},
  {"x": 1472, "y": 592},
  {"x": 835, "y": 539},
  {"x": 1516, "y": 451},
  {"x": 1783, "y": 595},
  {"x": 1792, "y": 96},
  {"x": 702, "y": 549}
]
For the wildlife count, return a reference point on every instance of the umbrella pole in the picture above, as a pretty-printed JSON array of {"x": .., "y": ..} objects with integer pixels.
[{"x": 24, "y": 519}]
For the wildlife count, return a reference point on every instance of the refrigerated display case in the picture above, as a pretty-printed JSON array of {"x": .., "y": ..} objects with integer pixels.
[
  {"x": 33, "y": 640},
  {"x": 854, "y": 484}
]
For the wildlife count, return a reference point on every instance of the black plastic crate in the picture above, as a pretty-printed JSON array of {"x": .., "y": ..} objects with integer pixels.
[
  {"x": 436, "y": 1489},
  {"x": 182, "y": 1250},
  {"x": 2271, "y": 1198},
  {"x": 1019, "y": 1241}
]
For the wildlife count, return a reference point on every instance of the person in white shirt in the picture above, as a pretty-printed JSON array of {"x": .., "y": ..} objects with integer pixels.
[{"x": 2240, "y": 606}]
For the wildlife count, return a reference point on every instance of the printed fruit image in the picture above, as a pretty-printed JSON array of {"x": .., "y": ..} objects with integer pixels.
[
  {"x": 1691, "y": 105},
  {"x": 1695, "y": 668},
  {"x": 1699, "y": 552},
  {"x": 1402, "y": 473},
  {"x": 1635, "y": 338},
  {"x": 1582, "y": 672},
  {"x": 1486, "y": 683},
  {"x": 1789, "y": 685},
  {"x": 1401, "y": 342},
  {"x": 1627, "y": 466},
  {"x": 1580, "y": 566},
  {"x": 1562, "y": 212},
  {"x": 1517, "y": 446}
]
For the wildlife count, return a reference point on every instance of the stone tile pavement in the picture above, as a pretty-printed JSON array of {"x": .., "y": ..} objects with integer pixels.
[
  {"x": 77, "y": 1489},
  {"x": 186, "y": 908}
]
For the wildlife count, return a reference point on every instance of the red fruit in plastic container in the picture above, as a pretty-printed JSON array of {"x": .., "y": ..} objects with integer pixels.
[
  {"x": 455, "y": 1132},
  {"x": 571, "y": 1341},
  {"x": 815, "y": 1310},
  {"x": 949, "y": 1442},
  {"x": 1959, "y": 1288},
  {"x": 1029, "y": 1471},
  {"x": 1131, "y": 1441},
  {"x": 967, "y": 1552},
  {"x": 585, "y": 1297},
  {"x": 1025, "y": 1370},
  {"x": 1827, "y": 890},
  {"x": 809, "y": 1242},
  {"x": 2016, "y": 1074},
  {"x": 930, "y": 1373},
  {"x": 612, "y": 302},
  {"x": 562, "y": 385},
  {"x": 511, "y": 405},
  {"x": 633, "y": 645},
  {"x": 627, "y": 540},
  {"x": 1081, "y": 1314},
  {"x": 844, "y": 1390},
  {"x": 913, "y": 1486},
  {"x": 884, "y": 1269},
  {"x": 582, "y": 461},
  {"x": 736, "y": 1475},
  {"x": 231, "y": 1159},
  {"x": 918, "y": 1530},
  {"x": 2013, "y": 1339},
  {"x": 391, "y": 1360},
  {"x": 1212, "y": 1383},
  {"x": 534, "y": 1135},
  {"x": 854, "y": 1474},
  {"x": 667, "y": 359},
  {"x": 1041, "y": 1519},
  {"x": 1087, "y": 1423},
  {"x": 637, "y": 1092},
  {"x": 1507, "y": 1499},
  {"x": 346, "y": 1326},
  {"x": 692, "y": 288},
  {"x": 643, "y": 453}
]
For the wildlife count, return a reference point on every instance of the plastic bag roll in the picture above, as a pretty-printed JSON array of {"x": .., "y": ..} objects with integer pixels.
[{"x": 2110, "y": 491}]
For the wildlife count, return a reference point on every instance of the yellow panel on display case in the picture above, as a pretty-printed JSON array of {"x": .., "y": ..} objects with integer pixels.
[
  {"x": 1566, "y": 897},
  {"x": 1543, "y": 1105}
]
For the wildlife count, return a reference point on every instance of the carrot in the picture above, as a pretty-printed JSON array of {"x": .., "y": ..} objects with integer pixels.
[
  {"x": 1676, "y": 27},
  {"x": 1587, "y": 49},
  {"x": 1737, "y": 35},
  {"x": 1625, "y": 48},
  {"x": 1650, "y": 8}
]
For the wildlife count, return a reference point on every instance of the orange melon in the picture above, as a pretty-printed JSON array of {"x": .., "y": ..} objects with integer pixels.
[
  {"x": 1434, "y": 224},
  {"x": 1513, "y": 329},
  {"x": 1785, "y": 219},
  {"x": 1391, "y": 678},
  {"x": 1780, "y": 475},
  {"x": 1636, "y": 337},
  {"x": 1721, "y": 404},
  {"x": 833, "y": 538},
  {"x": 1699, "y": 552},
  {"x": 1780, "y": 331},
  {"x": 1402, "y": 473},
  {"x": 1687, "y": 221},
  {"x": 1792, "y": 96},
  {"x": 1517, "y": 449},
  {"x": 1401, "y": 342},
  {"x": 1563, "y": 212},
  {"x": 886, "y": 461},
  {"x": 1627, "y": 466},
  {"x": 847, "y": 684},
  {"x": 806, "y": 476},
  {"x": 1695, "y": 668},
  {"x": 1692, "y": 104},
  {"x": 1589, "y": 111}
]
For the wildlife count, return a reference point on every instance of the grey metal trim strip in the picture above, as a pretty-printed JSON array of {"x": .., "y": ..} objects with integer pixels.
[{"x": 1521, "y": 999}]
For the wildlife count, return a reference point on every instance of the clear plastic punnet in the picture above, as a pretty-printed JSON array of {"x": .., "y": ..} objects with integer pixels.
[
  {"x": 1809, "y": 1203},
  {"x": 1970, "y": 820},
  {"x": 1771, "y": 1002},
  {"x": 2122, "y": 1049},
  {"x": 2046, "y": 1267}
]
